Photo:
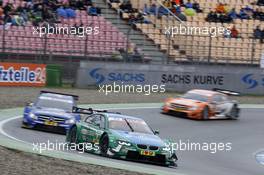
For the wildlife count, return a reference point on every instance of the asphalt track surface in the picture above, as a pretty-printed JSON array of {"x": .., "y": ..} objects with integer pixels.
[{"x": 245, "y": 134}]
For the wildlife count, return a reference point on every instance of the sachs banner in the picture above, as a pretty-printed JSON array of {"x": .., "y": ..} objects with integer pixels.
[{"x": 22, "y": 74}]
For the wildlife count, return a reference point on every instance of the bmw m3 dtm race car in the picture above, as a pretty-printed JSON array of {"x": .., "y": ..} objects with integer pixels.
[{"x": 120, "y": 136}]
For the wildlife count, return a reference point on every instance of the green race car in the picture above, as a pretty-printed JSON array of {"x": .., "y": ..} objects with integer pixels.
[{"x": 120, "y": 136}]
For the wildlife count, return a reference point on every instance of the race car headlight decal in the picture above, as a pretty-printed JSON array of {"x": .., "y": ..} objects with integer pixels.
[
  {"x": 167, "y": 149},
  {"x": 33, "y": 116},
  {"x": 121, "y": 142},
  {"x": 193, "y": 108},
  {"x": 70, "y": 121}
]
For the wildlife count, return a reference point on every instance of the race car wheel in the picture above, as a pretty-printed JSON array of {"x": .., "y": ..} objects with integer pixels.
[
  {"x": 25, "y": 125},
  {"x": 234, "y": 113},
  {"x": 205, "y": 113},
  {"x": 104, "y": 144},
  {"x": 72, "y": 135}
]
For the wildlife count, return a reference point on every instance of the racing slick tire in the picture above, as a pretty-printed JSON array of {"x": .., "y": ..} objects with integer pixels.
[
  {"x": 73, "y": 138},
  {"x": 26, "y": 126},
  {"x": 205, "y": 113},
  {"x": 73, "y": 135},
  {"x": 234, "y": 113},
  {"x": 104, "y": 145}
]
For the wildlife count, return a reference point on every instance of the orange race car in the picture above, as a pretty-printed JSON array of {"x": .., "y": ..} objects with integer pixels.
[{"x": 203, "y": 104}]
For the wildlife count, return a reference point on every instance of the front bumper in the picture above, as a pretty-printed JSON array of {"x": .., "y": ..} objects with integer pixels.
[
  {"x": 133, "y": 154},
  {"x": 193, "y": 114},
  {"x": 36, "y": 124}
]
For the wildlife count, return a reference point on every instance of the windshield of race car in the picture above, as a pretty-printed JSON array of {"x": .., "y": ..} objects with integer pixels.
[
  {"x": 130, "y": 125},
  {"x": 57, "y": 103},
  {"x": 195, "y": 96}
]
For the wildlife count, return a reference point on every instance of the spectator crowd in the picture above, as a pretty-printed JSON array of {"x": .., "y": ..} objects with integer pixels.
[{"x": 38, "y": 11}]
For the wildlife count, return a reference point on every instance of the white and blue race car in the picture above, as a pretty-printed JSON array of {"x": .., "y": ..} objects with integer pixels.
[{"x": 51, "y": 111}]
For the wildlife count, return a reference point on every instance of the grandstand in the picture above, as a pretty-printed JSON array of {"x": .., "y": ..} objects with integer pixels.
[
  {"x": 245, "y": 49},
  {"x": 118, "y": 36}
]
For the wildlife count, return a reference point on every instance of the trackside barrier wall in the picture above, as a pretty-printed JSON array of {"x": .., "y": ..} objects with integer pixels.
[{"x": 180, "y": 78}]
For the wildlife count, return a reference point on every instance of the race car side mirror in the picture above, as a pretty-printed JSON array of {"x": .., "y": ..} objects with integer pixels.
[
  {"x": 29, "y": 104},
  {"x": 156, "y": 132}
]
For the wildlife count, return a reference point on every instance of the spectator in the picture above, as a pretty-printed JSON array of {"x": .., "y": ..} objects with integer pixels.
[
  {"x": 226, "y": 8},
  {"x": 8, "y": 8},
  {"x": 212, "y": 16},
  {"x": 257, "y": 33},
  {"x": 139, "y": 19},
  {"x": 227, "y": 33},
  {"x": 258, "y": 15},
  {"x": 116, "y": 55},
  {"x": 92, "y": 11},
  {"x": 153, "y": 9},
  {"x": 234, "y": 32},
  {"x": 232, "y": 14},
  {"x": 220, "y": 8},
  {"x": 179, "y": 14},
  {"x": 61, "y": 12},
  {"x": 126, "y": 6},
  {"x": 196, "y": 7},
  {"x": 189, "y": 4},
  {"x": 8, "y": 18},
  {"x": 177, "y": 2},
  {"x": 1, "y": 11},
  {"x": 79, "y": 4},
  {"x": 189, "y": 12},
  {"x": 248, "y": 9},
  {"x": 162, "y": 11},
  {"x": 146, "y": 9},
  {"x": 114, "y": 1},
  {"x": 260, "y": 2},
  {"x": 70, "y": 12},
  {"x": 18, "y": 21},
  {"x": 167, "y": 4},
  {"x": 243, "y": 14}
]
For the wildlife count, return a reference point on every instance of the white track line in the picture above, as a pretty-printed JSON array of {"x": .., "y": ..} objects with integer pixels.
[{"x": 3, "y": 122}]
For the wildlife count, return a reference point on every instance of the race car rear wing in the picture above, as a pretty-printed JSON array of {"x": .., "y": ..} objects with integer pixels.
[
  {"x": 76, "y": 97},
  {"x": 227, "y": 92},
  {"x": 90, "y": 111}
]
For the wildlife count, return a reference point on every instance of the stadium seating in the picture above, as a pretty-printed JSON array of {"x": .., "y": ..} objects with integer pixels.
[
  {"x": 20, "y": 39},
  {"x": 244, "y": 49}
]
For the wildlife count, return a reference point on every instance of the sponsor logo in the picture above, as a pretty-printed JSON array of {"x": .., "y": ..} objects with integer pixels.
[
  {"x": 22, "y": 74},
  {"x": 192, "y": 79},
  {"x": 99, "y": 78},
  {"x": 116, "y": 76},
  {"x": 249, "y": 80}
]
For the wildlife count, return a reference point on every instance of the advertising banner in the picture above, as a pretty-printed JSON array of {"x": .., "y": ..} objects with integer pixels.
[
  {"x": 178, "y": 78},
  {"x": 22, "y": 74}
]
